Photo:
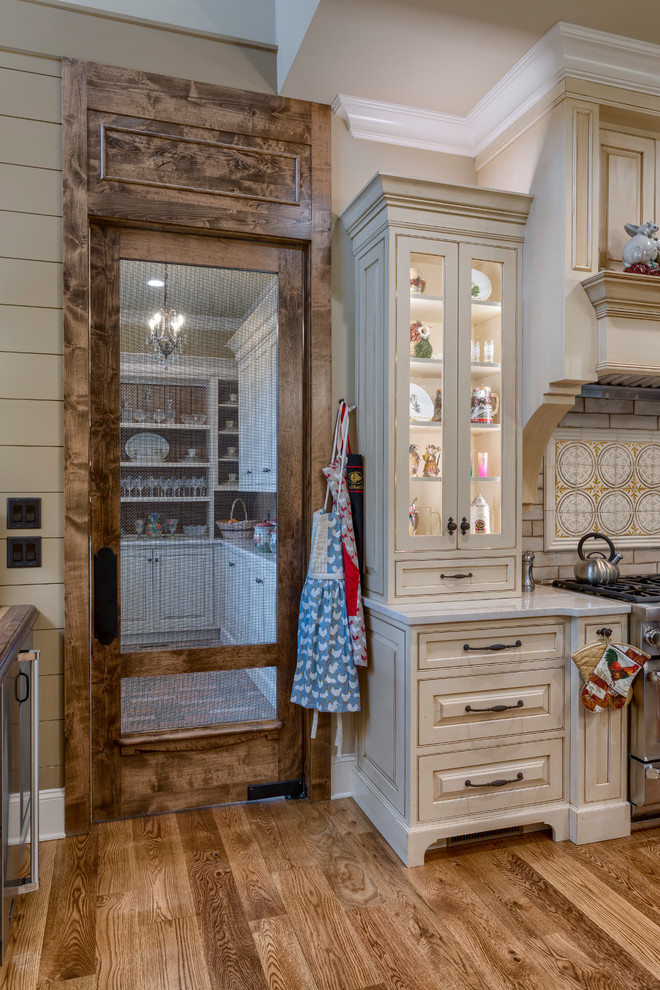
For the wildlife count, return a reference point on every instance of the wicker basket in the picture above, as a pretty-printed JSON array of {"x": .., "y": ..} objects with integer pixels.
[{"x": 236, "y": 530}]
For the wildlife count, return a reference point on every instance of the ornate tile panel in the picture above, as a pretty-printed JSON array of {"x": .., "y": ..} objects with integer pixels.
[{"x": 604, "y": 481}]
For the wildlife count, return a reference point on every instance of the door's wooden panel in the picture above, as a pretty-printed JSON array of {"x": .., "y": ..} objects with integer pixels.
[{"x": 627, "y": 190}]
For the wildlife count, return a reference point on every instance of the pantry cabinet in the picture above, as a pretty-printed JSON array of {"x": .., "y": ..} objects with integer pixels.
[
  {"x": 437, "y": 271},
  {"x": 246, "y": 590}
]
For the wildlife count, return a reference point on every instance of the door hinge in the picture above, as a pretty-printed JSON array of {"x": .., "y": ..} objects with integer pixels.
[{"x": 279, "y": 788}]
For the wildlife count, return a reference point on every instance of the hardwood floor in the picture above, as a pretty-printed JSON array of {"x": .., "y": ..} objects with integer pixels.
[{"x": 288, "y": 895}]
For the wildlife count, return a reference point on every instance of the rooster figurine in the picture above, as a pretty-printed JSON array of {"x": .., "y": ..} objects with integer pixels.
[{"x": 640, "y": 253}]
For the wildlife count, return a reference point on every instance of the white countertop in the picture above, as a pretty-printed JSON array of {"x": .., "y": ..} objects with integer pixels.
[{"x": 544, "y": 600}]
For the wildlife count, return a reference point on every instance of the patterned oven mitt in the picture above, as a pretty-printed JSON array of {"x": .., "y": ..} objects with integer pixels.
[{"x": 608, "y": 670}]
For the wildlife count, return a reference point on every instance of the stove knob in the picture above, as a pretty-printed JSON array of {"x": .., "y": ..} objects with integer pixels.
[{"x": 652, "y": 637}]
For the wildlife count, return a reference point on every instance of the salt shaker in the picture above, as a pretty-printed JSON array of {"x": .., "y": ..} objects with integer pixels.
[{"x": 528, "y": 577}]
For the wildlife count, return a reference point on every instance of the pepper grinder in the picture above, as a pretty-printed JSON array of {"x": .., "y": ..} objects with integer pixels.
[{"x": 528, "y": 577}]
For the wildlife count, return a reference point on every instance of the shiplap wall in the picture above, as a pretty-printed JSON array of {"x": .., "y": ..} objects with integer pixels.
[{"x": 31, "y": 432}]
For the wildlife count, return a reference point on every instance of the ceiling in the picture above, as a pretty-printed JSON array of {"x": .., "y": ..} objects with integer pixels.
[{"x": 435, "y": 55}]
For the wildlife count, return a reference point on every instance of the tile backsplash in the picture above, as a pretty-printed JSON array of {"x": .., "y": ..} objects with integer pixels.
[{"x": 608, "y": 455}]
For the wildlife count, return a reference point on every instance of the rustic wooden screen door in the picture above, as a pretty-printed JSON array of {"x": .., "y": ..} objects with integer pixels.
[
  {"x": 194, "y": 624},
  {"x": 228, "y": 193}
]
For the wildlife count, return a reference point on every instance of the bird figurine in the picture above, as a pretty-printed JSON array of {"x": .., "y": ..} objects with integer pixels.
[{"x": 642, "y": 248}]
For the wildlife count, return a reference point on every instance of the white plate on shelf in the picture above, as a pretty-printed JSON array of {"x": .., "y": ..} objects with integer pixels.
[
  {"x": 421, "y": 405},
  {"x": 482, "y": 284},
  {"x": 147, "y": 447}
]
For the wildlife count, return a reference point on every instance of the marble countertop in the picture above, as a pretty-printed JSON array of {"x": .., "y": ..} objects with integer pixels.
[{"x": 544, "y": 600}]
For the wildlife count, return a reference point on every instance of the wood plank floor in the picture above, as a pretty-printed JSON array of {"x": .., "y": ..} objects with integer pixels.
[{"x": 286, "y": 895}]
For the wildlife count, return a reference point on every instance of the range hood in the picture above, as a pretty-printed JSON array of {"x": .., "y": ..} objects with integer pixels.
[{"x": 627, "y": 311}]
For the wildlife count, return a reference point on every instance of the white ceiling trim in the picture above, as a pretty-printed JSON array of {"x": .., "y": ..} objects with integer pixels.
[{"x": 566, "y": 50}]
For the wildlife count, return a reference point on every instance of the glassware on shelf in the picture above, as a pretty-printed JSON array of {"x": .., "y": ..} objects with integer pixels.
[
  {"x": 159, "y": 416},
  {"x": 126, "y": 412},
  {"x": 489, "y": 351},
  {"x": 139, "y": 527},
  {"x": 170, "y": 412},
  {"x": 475, "y": 351},
  {"x": 482, "y": 464}
]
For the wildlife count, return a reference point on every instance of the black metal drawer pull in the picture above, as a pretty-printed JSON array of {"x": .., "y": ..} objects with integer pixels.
[
  {"x": 495, "y": 783},
  {"x": 458, "y": 577},
  {"x": 496, "y": 708},
  {"x": 465, "y": 526},
  {"x": 494, "y": 646},
  {"x": 604, "y": 632}
]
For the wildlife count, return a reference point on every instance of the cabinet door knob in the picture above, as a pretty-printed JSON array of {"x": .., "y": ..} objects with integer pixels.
[
  {"x": 266, "y": 470},
  {"x": 259, "y": 580},
  {"x": 451, "y": 526},
  {"x": 465, "y": 526},
  {"x": 248, "y": 471},
  {"x": 232, "y": 563}
]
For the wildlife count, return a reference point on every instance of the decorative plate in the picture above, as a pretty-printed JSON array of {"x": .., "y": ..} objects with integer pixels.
[
  {"x": 147, "y": 447},
  {"x": 421, "y": 405},
  {"x": 481, "y": 287}
]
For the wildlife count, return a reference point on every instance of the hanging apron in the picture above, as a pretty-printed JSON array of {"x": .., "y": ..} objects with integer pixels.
[{"x": 336, "y": 477}]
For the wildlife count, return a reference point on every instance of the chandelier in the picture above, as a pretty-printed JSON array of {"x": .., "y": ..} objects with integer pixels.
[{"x": 165, "y": 337}]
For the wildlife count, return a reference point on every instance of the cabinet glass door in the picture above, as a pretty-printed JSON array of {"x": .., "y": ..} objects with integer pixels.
[
  {"x": 487, "y": 413},
  {"x": 426, "y": 381}
]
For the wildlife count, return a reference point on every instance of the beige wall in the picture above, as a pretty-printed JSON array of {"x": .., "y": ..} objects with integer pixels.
[{"x": 31, "y": 386}]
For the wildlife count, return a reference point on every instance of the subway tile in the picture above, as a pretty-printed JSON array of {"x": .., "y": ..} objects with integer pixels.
[
  {"x": 533, "y": 512},
  {"x": 545, "y": 573},
  {"x": 609, "y": 406},
  {"x": 646, "y": 556},
  {"x": 578, "y": 405},
  {"x": 527, "y": 527},
  {"x": 585, "y": 421},
  {"x": 533, "y": 543},
  {"x": 634, "y": 422},
  {"x": 637, "y": 568},
  {"x": 550, "y": 558},
  {"x": 538, "y": 527},
  {"x": 645, "y": 407}
]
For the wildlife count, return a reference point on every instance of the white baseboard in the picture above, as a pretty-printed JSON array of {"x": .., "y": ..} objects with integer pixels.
[
  {"x": 341, "y": 771},
  {"x": 51, "y": 814}
]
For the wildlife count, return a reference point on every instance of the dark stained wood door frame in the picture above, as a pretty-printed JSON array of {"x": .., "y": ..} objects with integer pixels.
[{"x": 170, "y": 154}]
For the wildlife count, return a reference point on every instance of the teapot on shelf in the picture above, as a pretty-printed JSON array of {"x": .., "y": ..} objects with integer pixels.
[{"x": 485, "y": 404}]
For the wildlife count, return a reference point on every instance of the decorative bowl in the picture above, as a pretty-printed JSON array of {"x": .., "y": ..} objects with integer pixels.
[
  {"x": 193, "y": 419},
  {"x": 194, "y": 531}
]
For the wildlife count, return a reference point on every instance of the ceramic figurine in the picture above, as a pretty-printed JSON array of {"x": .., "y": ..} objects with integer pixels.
[
  {"x": 642, "y": 248},
  {"x": 430, "y": 458},
  {"x": 420, "y": 345},
  {"x": 414, "y": 460}
]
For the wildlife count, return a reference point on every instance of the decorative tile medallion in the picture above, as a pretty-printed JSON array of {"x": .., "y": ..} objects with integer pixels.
[{"x": 603, "y": 481}]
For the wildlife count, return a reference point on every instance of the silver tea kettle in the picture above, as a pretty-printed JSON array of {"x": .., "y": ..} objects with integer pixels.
[{"x": 595, "y": 567}]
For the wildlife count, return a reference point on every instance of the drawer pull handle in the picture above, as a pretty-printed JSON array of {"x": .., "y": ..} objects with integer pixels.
[
  {"x": 457, "y": 577},
  {"x": 495, "y": 783},
  {"x": 496, "y": 708},
  {"x": 494, "y": 646},
  {"x": 605, "y": 632}
]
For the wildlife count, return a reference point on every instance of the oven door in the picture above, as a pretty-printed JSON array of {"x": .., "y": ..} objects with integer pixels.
[{"x": 645, "y": 713}]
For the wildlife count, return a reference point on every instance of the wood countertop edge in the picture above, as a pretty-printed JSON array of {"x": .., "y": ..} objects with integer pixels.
[{"x": 16, "y": 621}]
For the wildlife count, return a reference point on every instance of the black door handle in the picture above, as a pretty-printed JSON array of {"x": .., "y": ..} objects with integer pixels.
[
  {"x": 105, "y": 596},
  {"x": 495, "y": 783},
  {"x": 494, "y": 646},
  {"x": 19, "y": 697},
  {"x": 465, "y": 526},
  {"x": 451, "y": 526}
]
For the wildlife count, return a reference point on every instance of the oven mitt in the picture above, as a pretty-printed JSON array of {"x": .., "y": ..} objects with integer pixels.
[{"x": 608, "y": 670}]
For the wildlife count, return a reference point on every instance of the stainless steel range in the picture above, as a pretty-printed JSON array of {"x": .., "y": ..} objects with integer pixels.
[{"x": 644, "y": 632}]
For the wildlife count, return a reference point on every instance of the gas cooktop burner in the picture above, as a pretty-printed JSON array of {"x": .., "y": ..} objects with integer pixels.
[{"x": 645, "y": 588}]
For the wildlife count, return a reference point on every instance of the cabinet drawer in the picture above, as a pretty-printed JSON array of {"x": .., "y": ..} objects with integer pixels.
[
  {"x": 453, "y": 710},
  {"x": 443, "y": 648},
  {"x": 617, "y": 623},
  {"x": 445, "y": 793},
  {"x": 418, "y": 578}
]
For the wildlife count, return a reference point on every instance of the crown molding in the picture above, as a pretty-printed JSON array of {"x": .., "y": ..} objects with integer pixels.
[{"x": 565, "y": 51}]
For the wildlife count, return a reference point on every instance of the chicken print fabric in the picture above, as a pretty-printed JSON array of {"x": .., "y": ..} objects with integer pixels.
[{"x": 326, "y": 677}]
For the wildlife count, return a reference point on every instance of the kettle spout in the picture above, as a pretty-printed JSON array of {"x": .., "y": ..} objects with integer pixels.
[{"x": 616, "y": 558}]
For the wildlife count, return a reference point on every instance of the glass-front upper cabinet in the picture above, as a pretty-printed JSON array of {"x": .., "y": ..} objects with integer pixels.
[
  {"x": 437, "y": 298},
  {"x": 456, "y": 374}
]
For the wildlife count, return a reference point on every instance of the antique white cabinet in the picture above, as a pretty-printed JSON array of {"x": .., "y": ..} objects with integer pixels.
[{"x": 437, "y": 329}]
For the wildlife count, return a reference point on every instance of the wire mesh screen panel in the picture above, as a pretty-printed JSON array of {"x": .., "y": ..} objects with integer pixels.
[
  {"x": 198, "y": 436},
  {"x": 185, "y": 701}
]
